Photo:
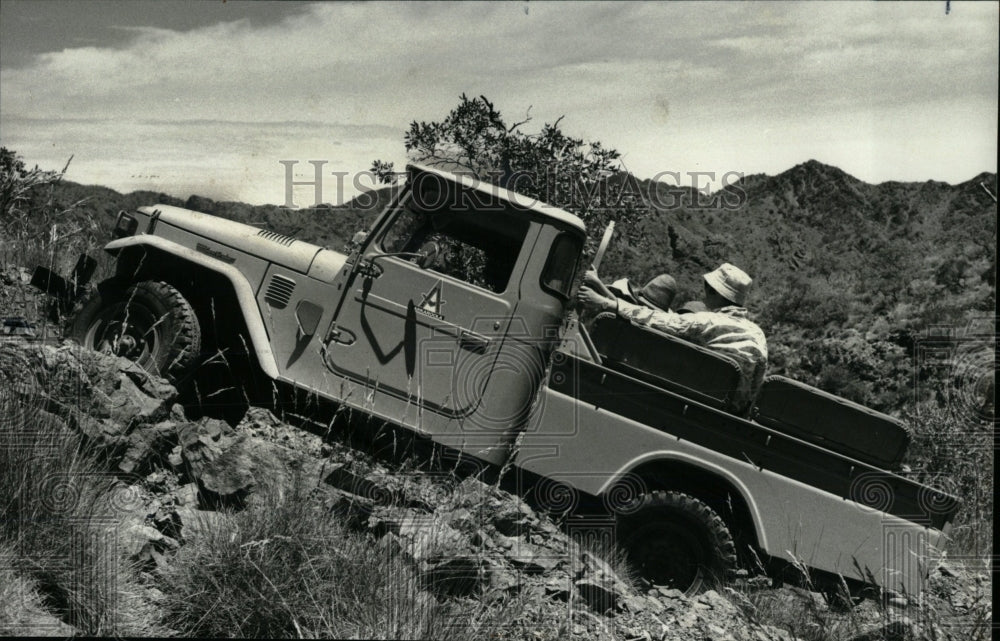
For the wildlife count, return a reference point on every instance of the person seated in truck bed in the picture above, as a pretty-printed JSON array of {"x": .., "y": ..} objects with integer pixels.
[
  {"x": 723, "y": 327},
  {"x": 658, "y": 293}
]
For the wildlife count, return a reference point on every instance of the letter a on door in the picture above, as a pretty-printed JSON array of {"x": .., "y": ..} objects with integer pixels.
[{"x": 431, "y": 301}]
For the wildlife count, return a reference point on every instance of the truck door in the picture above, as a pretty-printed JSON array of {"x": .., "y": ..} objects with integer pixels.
[{"x": 431, "y": 301}]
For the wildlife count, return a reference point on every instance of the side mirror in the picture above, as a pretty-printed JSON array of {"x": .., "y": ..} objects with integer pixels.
[{"x": 429, "y": 253}]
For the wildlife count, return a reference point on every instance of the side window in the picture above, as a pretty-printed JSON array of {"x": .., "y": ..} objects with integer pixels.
[
  {"x": 479, "y": 248},
  {"x": 560, "y": 267},
  {"x": 403, "y": 230}
]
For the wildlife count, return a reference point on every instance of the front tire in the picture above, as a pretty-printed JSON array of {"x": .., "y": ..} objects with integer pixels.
[
  {"x": 675, "y": 541},
  {"x": 149, "y": 322}
]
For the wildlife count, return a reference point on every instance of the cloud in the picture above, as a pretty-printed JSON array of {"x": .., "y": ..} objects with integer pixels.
[
  {"x": 754, "y": 86},
  {"x": 218, "y": 159}
]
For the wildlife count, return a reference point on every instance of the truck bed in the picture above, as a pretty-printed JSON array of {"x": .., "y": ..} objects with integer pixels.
[{"x": 742, "y": 439}]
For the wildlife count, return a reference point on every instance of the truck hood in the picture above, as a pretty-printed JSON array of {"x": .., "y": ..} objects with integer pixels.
[{"x": 262, "y": 243}]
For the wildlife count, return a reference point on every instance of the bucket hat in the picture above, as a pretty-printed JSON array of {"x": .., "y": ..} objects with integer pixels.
[{"x": 731, "y": 282}]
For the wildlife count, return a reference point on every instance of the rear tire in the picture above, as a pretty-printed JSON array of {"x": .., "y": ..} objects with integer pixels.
[
  {"x": 675, "y": 541},
  {"x": 149, "y": 322}
]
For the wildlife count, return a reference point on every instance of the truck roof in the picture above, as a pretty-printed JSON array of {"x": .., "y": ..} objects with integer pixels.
[{"x": 518, "y": 200}]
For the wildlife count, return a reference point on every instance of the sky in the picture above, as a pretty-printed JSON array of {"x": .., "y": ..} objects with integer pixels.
[{"x": 209, "y": 97}]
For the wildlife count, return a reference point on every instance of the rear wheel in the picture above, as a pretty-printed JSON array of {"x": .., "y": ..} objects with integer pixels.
[
  {"x": 149, "y": 322},
  {"x": 674, "y": 540}
]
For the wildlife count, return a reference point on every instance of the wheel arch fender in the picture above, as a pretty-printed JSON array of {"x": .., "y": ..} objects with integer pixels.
[
  {"x": 241, "y": 287},
  {"x": 692, "y": 475}
]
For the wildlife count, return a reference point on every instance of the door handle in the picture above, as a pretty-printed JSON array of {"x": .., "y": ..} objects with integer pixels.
[
  {"x": 473, "y": 342},
  {"x": 368, "y": 269},
  {"x": 341, "y": 336}
]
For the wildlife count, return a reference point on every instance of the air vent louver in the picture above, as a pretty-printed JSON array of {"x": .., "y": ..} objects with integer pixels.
[
  {"x": 279, "y": 291},
  {"x": 281, "y": 239}
]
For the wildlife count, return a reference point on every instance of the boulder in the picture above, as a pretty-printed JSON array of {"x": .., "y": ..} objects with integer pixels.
[
  {"x": 600, "y": 596},
  {"x": 717, "y": 602},
  {"x": 670, "y": 594},
  {"x": 144, "y": 544},
  {"x": 186, "y": 495},
  {"x": 421, "y": 536},
  {"x": 899, "y": 630},
  {"x": 559, "y": 586},
  {"x": 636, "y": 634},
  {"x": 101, "y": 395},
  {"x": 790, "y": 598},
  {"x": 645, "y": 604},
  {"x": 502, "y": 579},
  {"x": 381, "y": 489},
  {"x": 211, "y": 452},
  {"x": 532, "y": 558},
  {"x": 461, "y": 575},
  {"x": 228, "y": 464},
  {"x": 513, "y": 518},
  {"x": 593, "y": 571},
  {"x": 353, "y": 510},
  {"x": 146, "y": 442}
]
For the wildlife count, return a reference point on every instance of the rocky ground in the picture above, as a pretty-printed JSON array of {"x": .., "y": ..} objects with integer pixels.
[{"x": 465, "y": 538}]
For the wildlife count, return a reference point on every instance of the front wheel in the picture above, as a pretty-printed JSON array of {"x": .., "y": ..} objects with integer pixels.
[
  {"x": 149, "y": 322},
  {"x": 674, "y": 540}
]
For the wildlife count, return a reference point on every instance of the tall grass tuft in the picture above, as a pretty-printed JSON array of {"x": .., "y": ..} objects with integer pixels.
[
  {"x": 22, "y": 612},
  {"x": 288, "y": 569},
  {"x": 954, "y": 452},
  {"x": 58, "y": 523}
]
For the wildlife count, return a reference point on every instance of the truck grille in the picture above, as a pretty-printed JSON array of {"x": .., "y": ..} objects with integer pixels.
[
  {"x": 274, "y": 236},
  {"x": 279, "y": 291}
]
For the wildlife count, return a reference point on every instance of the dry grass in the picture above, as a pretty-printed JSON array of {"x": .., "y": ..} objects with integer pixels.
[
  {"x": 22, "y": 612},
  {"x": 287, "y": 569},
  {"x": 954, "y": 452},
  {"x": 58, "y": 515}
]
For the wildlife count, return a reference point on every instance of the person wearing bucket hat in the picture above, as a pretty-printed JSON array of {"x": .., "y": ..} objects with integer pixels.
[
  {"x": 730, "y": 283},
  {"x": 724, "y": 326},
  {"x": 658, "y": 293}
]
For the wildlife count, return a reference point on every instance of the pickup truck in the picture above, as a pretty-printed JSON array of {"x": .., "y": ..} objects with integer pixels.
[{"x": 452, "y": 319}]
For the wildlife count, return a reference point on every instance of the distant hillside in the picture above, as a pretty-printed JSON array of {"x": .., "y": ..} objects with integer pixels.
[
  {"x": 847, "y": 275},
  {"x": 326, "y": 225},
  {"x": 815, "y": 221}
]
